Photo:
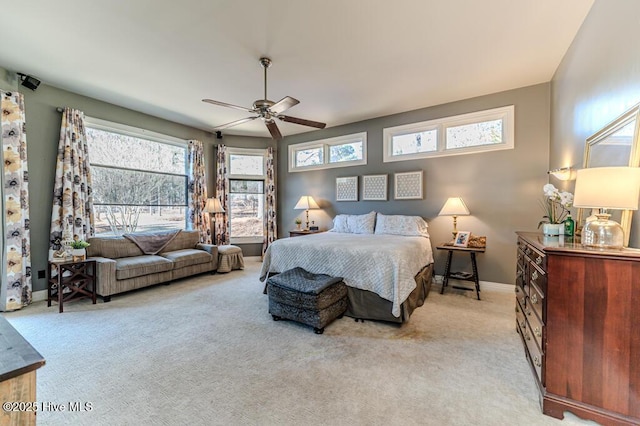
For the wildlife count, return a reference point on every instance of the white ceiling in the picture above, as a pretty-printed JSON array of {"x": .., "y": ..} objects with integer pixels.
[{"x": 345, "y": 60}]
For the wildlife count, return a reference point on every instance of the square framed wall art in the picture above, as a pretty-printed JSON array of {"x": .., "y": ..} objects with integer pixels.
[
  {"x": 408, "y": 186},
  {"x": 374, "y": 187},
  {"x": 347, "y": 188}
]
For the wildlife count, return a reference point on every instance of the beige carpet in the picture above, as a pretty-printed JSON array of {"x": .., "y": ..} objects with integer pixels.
[{"x": 205, "y": 351}]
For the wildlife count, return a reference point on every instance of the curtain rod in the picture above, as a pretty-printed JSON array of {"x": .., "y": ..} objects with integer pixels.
[{"x": 60, "y": 109}]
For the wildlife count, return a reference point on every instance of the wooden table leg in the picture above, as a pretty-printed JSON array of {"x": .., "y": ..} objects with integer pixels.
[
  {"x": 475, "y": 274},
  {"x": 447, "y": 271}
]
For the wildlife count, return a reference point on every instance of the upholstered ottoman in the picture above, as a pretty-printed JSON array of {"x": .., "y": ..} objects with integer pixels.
[
  {"x": 312, "y": 299},
  {"x": 229, "y": 258}
]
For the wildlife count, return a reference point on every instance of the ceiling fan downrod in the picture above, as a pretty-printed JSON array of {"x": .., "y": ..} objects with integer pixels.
[{"x": 266, "y": 63}]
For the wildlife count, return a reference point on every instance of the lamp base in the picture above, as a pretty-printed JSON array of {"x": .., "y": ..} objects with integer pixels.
[{"x": 603, "y": 233}]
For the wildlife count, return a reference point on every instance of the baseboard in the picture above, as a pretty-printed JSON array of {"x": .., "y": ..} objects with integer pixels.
[
  {"x": 39, "y": 296},
  {"x": 484, "y": 285}
]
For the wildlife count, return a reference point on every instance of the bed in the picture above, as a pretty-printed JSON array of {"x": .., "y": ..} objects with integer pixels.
[{"x": 387, "y": 266}]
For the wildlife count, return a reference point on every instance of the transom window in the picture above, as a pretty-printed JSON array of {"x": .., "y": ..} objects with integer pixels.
[
  {"x": 139, "y": 179},
  {"x": 475, "y": 132},
  {"x": 341, "y": 151},
  {"x": 247, "y": 172}
]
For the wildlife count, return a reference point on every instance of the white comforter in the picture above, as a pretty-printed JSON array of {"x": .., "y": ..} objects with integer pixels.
[{"x": 383, "y": 264}]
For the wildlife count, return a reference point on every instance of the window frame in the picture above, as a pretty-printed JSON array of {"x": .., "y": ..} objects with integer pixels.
[
  {"x": 506, "y": 114},
  {"x": 139, "y": 133},
  {"x": 246, "y": 151},
  {"x": 326, "y": 145}
]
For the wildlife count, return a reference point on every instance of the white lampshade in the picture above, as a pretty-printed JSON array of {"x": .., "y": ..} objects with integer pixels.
[
  {"x": 213, "y": 206},
  {"x": 605, "y": 188},
  {"x": 615, "y": 188},
  {"x": 306, "y": 202},
  {"x": 454, "y": 207}
]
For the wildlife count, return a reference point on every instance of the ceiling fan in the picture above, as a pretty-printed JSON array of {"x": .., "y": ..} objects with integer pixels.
[{"x": 267, "y": 110}]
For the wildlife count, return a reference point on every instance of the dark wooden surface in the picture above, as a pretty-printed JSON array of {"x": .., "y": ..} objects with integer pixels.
[
  {"x": 17, "y": 356},
  {"x": 591, "y": 339},
  {"x": 300, "y": 232}
]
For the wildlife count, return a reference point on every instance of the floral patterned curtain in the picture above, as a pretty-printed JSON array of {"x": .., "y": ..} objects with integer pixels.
[
  {"x": 270, "y": 226},
  {"x": 197, "y": 220},
  {"x": 16, "y": 244},
  {"x": 72, "y": 212},
  {"x": 222, "y": 219}
]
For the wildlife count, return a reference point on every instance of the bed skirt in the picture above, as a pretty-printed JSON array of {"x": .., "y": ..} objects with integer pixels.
[{"x": 364, "y": 304}]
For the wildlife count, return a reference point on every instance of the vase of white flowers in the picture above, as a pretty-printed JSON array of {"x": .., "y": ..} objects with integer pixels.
[{"x": 556, "y": 207}]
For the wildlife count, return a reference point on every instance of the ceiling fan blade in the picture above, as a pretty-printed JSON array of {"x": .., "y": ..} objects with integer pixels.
[
  {"x": 302, "y": 121},
  {"x": 234, "y": 123},
  {"x": 224, "y": 104},
  {"x": 273, "y": 129},
  {"x": 284, "y": 104}
]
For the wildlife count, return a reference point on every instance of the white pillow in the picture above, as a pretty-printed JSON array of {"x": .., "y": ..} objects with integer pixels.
[
  {"x": 354, "y": 224},
  {"x": 401, "y": 225}
]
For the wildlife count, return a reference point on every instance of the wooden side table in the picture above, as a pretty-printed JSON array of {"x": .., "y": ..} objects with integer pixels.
[
  {"x": 464, "y": 276},
  {"x": 300, "y": 232},
  {"x": 79, "y": 278}
]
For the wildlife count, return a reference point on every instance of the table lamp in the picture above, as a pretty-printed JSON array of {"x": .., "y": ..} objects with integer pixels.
[
  {"x": 454, "y": 207},
  {"x": 306, "y": 202},
  {"x": 213, "y": 206},
  {"x": 605, "y": 188}
]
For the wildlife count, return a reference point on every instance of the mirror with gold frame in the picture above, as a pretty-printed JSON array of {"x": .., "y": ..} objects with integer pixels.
[{"x": 615, "y": 145}]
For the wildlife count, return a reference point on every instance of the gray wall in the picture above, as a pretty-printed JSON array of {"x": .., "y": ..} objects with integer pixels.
[
  {"x": 598, "y": 79},
  {"x": 501, "y": 188},
  {"x": 43, "y": 131}
]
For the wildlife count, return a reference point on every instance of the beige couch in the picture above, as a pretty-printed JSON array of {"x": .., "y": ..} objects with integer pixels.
[{"x": 122, "y": 266}]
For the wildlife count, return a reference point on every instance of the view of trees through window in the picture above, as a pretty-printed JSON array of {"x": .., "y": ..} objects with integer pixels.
[
  {"x": 474, "y": 134},
  {"x": 246, "y": 195},
  {"x": 138, "y": 184},
  {"x": 415, "y": 142}
]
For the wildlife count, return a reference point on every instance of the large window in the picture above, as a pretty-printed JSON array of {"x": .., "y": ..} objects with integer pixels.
[
  {"x": 481, "y": 131},
  {"x": 139, "y": 179},
  {"x": 341, "y": 151},
  {"x": 247, "y": 170}
]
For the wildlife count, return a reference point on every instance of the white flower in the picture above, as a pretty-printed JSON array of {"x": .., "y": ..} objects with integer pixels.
[
  {"x": 550, "y": 190},
  {"x": 566, "y": 199}
]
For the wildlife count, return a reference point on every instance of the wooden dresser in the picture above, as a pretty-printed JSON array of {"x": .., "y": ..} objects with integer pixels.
[{"x": 578, "y": 314}]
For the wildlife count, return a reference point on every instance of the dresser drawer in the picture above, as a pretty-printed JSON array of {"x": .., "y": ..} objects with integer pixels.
[
  {"x": 537, "y": 258},
  {"x": 536, "y": 303},
  {"x": 536, "y": 277},
  {"x": 536, "y": 326},
  {"x": 535, "y": 354}
]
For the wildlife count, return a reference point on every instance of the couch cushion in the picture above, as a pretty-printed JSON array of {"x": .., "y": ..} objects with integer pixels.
[
  {"x": 131, "y": 267},
  {"x": 112, "y": 247},
  {"x": 184, "y": 240},
  {"x": 187, "y": 257}
]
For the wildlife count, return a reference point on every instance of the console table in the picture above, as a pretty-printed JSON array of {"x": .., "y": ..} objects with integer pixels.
[{"x": 68, "y": 280}]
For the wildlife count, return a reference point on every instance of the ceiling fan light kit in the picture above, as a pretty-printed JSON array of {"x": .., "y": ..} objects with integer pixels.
[{"x": 267, "y": 110}]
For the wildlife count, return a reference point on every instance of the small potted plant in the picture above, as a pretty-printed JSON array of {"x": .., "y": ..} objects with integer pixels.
[
  {"x": 556, "y": 205},
  {"x": 298, "y": 222},
  {"x": 78, "y": 249}
]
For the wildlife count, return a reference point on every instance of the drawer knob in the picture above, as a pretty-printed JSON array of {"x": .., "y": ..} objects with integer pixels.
[
  {"x": 534, "y": 299},
  {"x": 537, "y": 331},
  {"x": 534, "y": 276},
  {"x": 537, "y": 361},
  {"x": 529, "y": 312},
  {"x": 517, "y": 309},
  {"x": 538, "y": 260}
]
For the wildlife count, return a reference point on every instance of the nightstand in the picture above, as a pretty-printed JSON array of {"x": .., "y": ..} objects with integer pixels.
[
  {"x": 301, "y": 232},
  {"x": 69, "y": 280},
  {"x": 464, "y": 276}
]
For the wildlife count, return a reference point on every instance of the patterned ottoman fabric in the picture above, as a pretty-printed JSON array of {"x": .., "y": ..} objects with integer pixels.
[{"x": 312, "y": 299}]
